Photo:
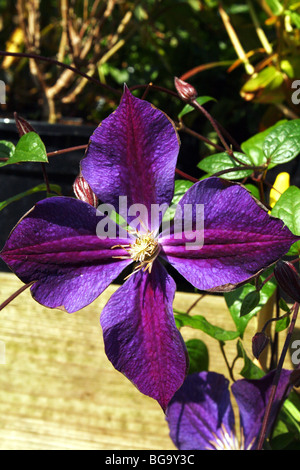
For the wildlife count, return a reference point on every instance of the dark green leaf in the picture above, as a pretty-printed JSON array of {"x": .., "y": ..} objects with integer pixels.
[
  {"x": 7, "y": 149},
  {"x": 283, "y": 143},
  {"x": 289, "y": 418},
  {"x": 282, "y": 440},
  {"x": 200, "y": 323},
  {"x": 235, "y": 299},
  {"x": 249, "y": 370},
  {"x": 253, "y": 147},
  {"x": 283, "y": 305},
  {"x": 198, "y": 355},
  {"x": 222, "y": 161},
  {"x": 250, "y": 301}
]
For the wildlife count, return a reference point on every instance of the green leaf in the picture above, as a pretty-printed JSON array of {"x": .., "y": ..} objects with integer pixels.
[
  {"x": 282, "y": 440},
  {"x": 200, "y": 100},
  {"x": 253, "y": 190},
  {"x": 289, "y": 418},
  {"x": 269, "y": 78},
  {"x": 282, "y": 324},
  {"x": 7, "y": 149},
  {"x": 253, "y": 147},
  {"x": 235, "y": 299},
  {"x": 250, "y": 302},
  {"x": 198, "y": 355},
  {"x": 295, "y": 17},
  {"x": 198, "y": 322},
  {"x": 282, "y": 304},
  {"x": 222, "y": 161},
  {"x": 41, "y": 187},
  {"x": 30, "y": 148},
  {"x": 181, "y": 187},
  {"x": 287, "y": 208},
  {"x": 249, "y": 370},
  {"x": 283, "y": 143},
  {"x": 275, "y": 6}
]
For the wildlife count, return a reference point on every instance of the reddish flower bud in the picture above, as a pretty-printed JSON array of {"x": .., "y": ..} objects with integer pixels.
[
  {"x": 84, "y": 192},
  {"x": 288, "y": 278},
  {"x": 259, "y": 342},
  {"x": 186, "y": 91},
  {"x": 22, "y": 125}
]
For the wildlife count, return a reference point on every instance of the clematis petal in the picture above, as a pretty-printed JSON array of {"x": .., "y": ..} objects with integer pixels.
[
  {"x": 252, "y": 398},
  {"x": 140, "y": 335},
  {"x": 133, "y": 153},
  {"x": 56, "y": 245},
  {"x": 200, "y": 415},
  {"x": 239, "y": 238}
]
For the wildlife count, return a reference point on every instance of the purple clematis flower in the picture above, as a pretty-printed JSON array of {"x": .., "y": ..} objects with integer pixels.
[
  {"x": 200, "y": 415},
  {"x": 133, "y": 154}
]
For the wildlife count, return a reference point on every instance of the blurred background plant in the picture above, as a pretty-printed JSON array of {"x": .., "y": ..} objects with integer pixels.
[
  {"x": 72, "y": 58},
  {"x": 244, "y": 54}
]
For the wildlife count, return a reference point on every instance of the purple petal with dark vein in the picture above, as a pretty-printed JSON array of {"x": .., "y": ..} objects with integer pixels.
[
  {"x": 140, "y": 336},
  {"x": 252, "y": 398},
  {"x": 239, "y": 239},
  {"x": 133, "y": 153},
  {"x": 200, "y": 415},
  {"x": 56, "y": 245}
]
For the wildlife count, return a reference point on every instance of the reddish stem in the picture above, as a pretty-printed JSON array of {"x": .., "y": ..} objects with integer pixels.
[
  {"x": 15, "y": 294},
  {"x": 186, "y": 176},
  {"x": 69, "y": 149}
]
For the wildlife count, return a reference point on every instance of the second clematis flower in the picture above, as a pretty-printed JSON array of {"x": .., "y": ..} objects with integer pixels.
[
  {"x": 201, "y": 417},
  {"x": 133, "y": 154}
]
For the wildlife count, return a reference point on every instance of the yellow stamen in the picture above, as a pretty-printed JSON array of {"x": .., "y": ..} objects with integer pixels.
[{"x": 143, "y": 251}]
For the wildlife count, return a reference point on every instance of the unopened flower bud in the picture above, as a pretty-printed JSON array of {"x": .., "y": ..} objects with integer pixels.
[
  {"x": 22, "y": 125},
  {"x": 259, "y": 342},
  {"x": 288, "y": 278},
  {"x": 84, "y": 192},
  {"x": 186, "y": 91}
]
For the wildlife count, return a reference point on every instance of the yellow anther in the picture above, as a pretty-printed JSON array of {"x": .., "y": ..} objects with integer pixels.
[{"x": 144, "y": 250}]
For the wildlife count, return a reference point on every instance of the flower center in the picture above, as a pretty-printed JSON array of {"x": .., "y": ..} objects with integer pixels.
[
  {"x": 228, "y": 441},
  {"x": 143, "y": 251}
]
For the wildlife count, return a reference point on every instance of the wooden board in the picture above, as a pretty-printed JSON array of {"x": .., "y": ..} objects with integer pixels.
[{"x": 59, "y": 391}]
